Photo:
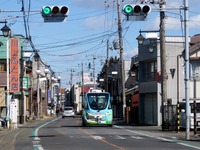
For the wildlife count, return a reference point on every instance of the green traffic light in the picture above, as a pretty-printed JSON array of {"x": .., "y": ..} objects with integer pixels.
[
  {"x": 128, "y": 9},
  {"x": 47, "y": 10}
]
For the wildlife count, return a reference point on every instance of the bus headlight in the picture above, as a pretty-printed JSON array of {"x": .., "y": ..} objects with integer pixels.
[{"x": 90, "y": 116}]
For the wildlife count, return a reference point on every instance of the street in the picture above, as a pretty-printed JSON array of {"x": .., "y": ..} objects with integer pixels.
[{"x": 67, "y": 133}]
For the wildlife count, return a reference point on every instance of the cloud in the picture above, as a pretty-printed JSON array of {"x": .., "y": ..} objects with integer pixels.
[
  {"x": 129, "y": 54},
  {"x": 89, "y": 3},
  {"x": 174, "y": 4},
  {"x": 175, "y": 23},
  {"x": 94, "y": 23},
  {"x": 194, "y": 22}
]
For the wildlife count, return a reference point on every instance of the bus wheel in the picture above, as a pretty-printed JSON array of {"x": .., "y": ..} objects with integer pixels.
[
  {"x": 110, "y": 125},
  {"x": 83, "y": 123}
]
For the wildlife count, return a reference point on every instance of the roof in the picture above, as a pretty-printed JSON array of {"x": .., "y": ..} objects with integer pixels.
[{"x": 195, "y": 43}]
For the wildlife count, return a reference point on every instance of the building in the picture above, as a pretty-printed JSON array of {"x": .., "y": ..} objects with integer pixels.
[
  {"x": 150, "y": 98},
  {"x": 18, "y": 77}
]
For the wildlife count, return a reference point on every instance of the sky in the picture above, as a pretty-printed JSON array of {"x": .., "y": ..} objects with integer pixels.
[{"x": 82, "y": 38}]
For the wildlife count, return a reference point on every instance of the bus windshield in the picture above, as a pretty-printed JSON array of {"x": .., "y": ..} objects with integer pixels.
[{"x": 97, "y": 101}]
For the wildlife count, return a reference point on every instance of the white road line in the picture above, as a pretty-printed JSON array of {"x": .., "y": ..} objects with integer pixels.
[
  {"x": 119, "y": 137},
  {"x": 161, "y": 138},
  {"x": 37, "y": 139},
  {"x": 98, "y": 137},
  {"x": 137, "y": 137}
]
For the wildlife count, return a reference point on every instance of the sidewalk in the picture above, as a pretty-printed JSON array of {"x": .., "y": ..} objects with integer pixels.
[{"x": 7, "y": 134}]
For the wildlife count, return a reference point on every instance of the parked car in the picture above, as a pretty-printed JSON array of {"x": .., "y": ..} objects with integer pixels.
[{"x": 68, "y": 112}]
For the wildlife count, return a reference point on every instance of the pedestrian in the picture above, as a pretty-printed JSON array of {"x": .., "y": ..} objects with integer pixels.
[{"x": 57, "y": 111}]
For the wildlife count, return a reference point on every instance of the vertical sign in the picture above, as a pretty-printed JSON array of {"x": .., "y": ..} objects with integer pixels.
[
  {"x": 25, "y": 82},
  {"x": 49, "y": 96},
  {"x": 14, "y": 65},
  {"x": 13, "y": 110}
]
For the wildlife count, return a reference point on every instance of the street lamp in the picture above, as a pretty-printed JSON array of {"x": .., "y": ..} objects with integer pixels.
[
  {"x": 140, "y": 39},
  {"x": 59, "y": 82},
  {"x": 38, "y": 72},
  {"x": 46, "y": 71},
  {"x": 37, "y": 57},
  {"x": 6, "y": 32}
]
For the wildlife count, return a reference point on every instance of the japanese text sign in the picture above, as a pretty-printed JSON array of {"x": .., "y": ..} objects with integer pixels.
[{"x": 14, "y": 65}]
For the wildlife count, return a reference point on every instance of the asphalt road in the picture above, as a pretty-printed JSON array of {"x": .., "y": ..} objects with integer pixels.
[{"x": 67, "y": 133}]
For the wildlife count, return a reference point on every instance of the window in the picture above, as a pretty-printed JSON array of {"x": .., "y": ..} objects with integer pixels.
[
  {"x": 2, "y": 66},
  {"x": 197, "y": 107},
  {"x": 150, "y": 71}
]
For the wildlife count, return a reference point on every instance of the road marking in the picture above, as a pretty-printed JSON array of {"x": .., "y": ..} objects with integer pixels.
[
  {"x": 137, "y": 137},
  {"x": 98, "y": 137},
  {"x": 163, "y": 139},
  {"x": 119, "y": 137},
  {"x": 118, "y": 127},
  {"x": 36, "y": 139},
  {"x": 102, "y": 140},
  {"x": 37, "y": 147}
]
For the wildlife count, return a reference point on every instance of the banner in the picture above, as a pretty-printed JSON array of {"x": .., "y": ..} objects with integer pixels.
[
  {"x": 2, "y": 97},
  {"x": 49, "y": 96},
  {"x": 14, "y": 65}
]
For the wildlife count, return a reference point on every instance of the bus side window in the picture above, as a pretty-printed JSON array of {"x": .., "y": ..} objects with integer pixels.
[
  {"x": 84, "y": 104},
  {"x": 109, "y": 106}
]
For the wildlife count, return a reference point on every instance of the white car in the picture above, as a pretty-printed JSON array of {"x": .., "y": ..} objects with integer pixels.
[{"x": 68, "y": 112}]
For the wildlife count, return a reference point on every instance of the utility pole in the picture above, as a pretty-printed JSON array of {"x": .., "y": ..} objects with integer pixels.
[
  {"x": 21, "y": 90},
  {"x": 163, "y": 59},
  {"x": 94, "y": 71},
  {"x": 107, "y": 65},
  {"x": 121, "y": 57},
  {"x": 187, "y": 82},
  {"x": 82, "y": 83}
]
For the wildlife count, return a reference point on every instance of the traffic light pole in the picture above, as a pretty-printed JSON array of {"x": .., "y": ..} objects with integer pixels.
[{"x": 121, "y": 57}]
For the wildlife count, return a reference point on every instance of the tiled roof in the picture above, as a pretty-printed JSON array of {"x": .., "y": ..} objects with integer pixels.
[
  {"x": 195, "y": 39},
  {"x": 195, "y": 43},
  {"x": 3, "y": 79}
]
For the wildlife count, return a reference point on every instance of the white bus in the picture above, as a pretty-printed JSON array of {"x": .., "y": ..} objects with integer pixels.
[
  {"x": 97, "y": 109},
  {"x": 191, "y": 113}
]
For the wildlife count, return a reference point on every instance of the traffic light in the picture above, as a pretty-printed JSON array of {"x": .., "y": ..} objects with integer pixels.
[
  {"x": 136, "y": 12},
  {"x": 54, "y": 13}
]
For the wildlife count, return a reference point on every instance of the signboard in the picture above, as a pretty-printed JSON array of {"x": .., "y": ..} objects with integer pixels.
[
  {"x": 13, "y": 110},
  {"x": 2, "y": 97},
  {"x": 49, "y": 96},
  {"x": 56, "y": 89},
  {"x": 25, "y": 82},
  {"x": 14, "y": 65}
]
